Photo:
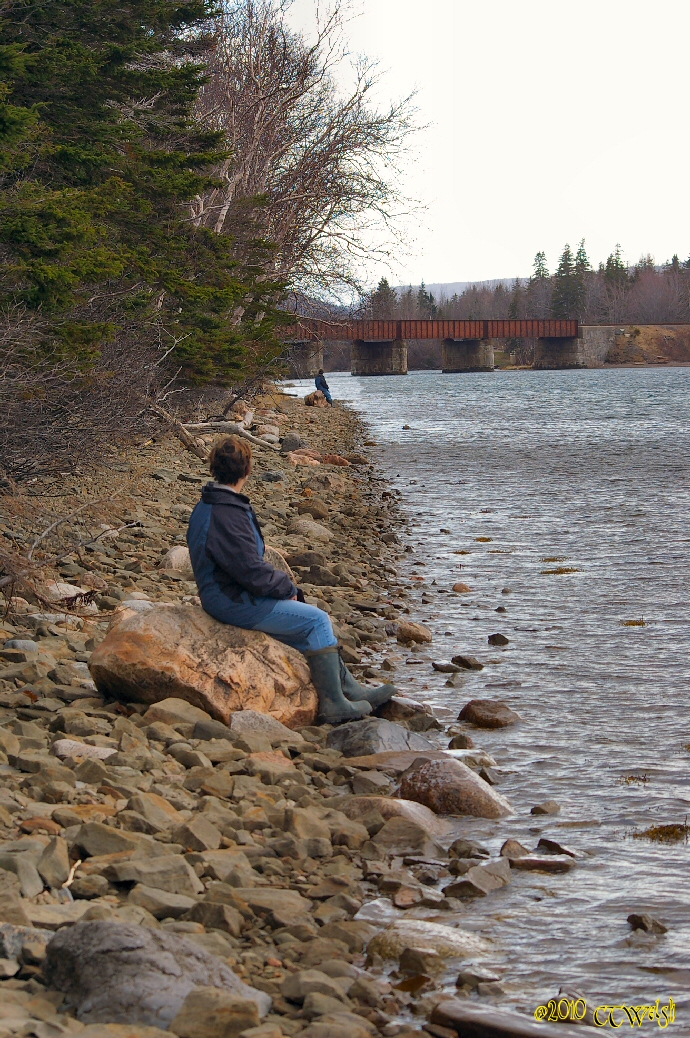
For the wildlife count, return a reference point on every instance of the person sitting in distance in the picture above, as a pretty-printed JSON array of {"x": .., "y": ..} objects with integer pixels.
[
  {"x": 238, "y": 586},
  {"x": 320, "y": 383}
]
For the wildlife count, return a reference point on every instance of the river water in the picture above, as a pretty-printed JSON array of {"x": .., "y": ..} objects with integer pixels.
[{"x": 585, "y": 471}]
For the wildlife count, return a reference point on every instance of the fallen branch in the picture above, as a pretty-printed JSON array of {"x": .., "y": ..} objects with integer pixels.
[
  {"x": 189, "y": 442},
  {"x": 232, "y": 428}
]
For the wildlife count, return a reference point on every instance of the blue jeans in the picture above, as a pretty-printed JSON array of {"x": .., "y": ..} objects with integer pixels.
[{"x": 302, "y": 626}]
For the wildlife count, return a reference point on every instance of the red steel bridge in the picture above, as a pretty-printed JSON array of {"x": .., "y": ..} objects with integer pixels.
[{"x": 380, "y": 347}]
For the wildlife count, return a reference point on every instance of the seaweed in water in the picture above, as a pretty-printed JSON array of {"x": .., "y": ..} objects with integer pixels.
[{"x": 665, "y": 833}]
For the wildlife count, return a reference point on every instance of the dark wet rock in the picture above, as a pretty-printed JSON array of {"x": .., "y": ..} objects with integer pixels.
[
  {"x": 271, "y": 477},
  {"x": 374, "y": 735},
  {"x": 513, "y": 849},
  {"x": 647, "y": 923},
  {"x": 547, "y": 846},
  {"x": 498, "y": 639},
  {"x": 461, "y": 742},
  {"x": 472, "y": 976},
  {"x": 410, "y": 714},
  {"x": 120, "y": 973},
  {"x": 471, "y": 1020},
  {"x": 463, "y": 848},
  {"x": 445, "y": 668},
  {"x": 481, "y": 880},
  {"x": 549, "y": 807},
  {"x": 467, "y": 662},
  {"x": 488, "y": 713},
  {"x": 543, "y": 863}
]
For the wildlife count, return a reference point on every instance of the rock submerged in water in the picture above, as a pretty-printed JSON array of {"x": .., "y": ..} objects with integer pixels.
[
  {"x": 120, "y": 973},
  {"x": 449, "y": 787},
  {"x": 446, "y": 941},
  {"x": 181, "y": 652},
  {"x": 488, "y": 713}
]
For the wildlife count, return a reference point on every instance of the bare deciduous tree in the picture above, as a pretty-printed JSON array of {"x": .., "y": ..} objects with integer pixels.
[{"x": 322, "y": 162}]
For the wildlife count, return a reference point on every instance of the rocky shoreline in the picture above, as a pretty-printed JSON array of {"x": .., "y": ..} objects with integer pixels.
[{"x": 169, "y": 869}]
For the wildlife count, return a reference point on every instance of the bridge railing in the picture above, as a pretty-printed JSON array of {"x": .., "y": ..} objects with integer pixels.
[{"x": 308, "y": 329}]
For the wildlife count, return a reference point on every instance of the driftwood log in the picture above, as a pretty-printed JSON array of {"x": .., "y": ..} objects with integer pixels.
[{"x": 233, "y": 428}]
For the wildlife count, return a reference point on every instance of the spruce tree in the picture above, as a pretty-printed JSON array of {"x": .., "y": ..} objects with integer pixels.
[
  {"x": 99, "y": 153},
  {"x": 564, "y": 297},
  {"x": 615, "y": 270},
  {"x": 540, "y": 271},
  {"x": 582, "y": 269},
  {"x": 426, "y": 304},
  {"x": 383, "y": 301}
]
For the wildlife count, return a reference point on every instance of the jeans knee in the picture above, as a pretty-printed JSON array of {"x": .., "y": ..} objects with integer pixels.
[{"x": 321, "y": 634}]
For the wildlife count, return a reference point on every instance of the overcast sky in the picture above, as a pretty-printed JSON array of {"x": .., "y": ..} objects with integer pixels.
[{"x": 551, "y": 121}]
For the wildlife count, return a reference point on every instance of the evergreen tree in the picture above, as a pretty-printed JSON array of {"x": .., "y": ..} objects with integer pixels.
[
  {"x": 426, "y": 304},
  {"x": 383, "y": 301},
  {"x": 615, "y": 271},
  {"x": 565, "y": 294},
  {"x": 540, "y": 271},
  {"x": 515, "y": 308},
  {"x": 582, "y": 269},
  {"x": 99, "y": 153}
]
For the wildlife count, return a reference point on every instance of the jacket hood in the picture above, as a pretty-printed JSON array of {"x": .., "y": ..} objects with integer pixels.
[{"x": 218, "y": 494}]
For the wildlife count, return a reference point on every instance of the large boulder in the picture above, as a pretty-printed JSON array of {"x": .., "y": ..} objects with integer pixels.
[
  {"x": 449, "y": 787},
  {"x": 488, "y": 713},
  {"x": 375, "y": 735},
  {"x": 181, "y": 652},
  {"x": 120, "y": 973}
]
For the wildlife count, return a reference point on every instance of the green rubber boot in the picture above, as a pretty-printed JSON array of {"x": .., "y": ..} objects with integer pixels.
[
  {"x": 357, "y": 693},
  {"x": 334, "y": 708}
]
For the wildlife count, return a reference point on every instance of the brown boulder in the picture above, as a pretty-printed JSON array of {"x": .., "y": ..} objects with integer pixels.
[
  {"x": 411, "y": 632},
  {"x": 449, "y": 787},
  {"x": 181, "y": 652},
  {"x": 314, "y": 507},
  {"x": 488, "y": 713},
  {"x": 316, "y": 399}
]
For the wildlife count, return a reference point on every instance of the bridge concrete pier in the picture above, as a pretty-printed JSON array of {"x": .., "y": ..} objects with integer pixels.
[
  {"x": 586, "y": 350},
  {"x": 379, "y": 358},
  {"x": 305, "y": 359},
  {"x": 467, "y": 355}
]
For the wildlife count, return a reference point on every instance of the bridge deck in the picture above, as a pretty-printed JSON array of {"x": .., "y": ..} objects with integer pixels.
[{"x": 386, "y": 331}]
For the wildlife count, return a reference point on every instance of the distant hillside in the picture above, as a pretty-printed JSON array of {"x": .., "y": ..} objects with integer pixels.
[{"x": 451, "y": 288}]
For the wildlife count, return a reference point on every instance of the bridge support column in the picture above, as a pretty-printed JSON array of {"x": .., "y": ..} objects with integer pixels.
[
  {"x": 467, "y": 355},
  {"x": 305, "y": 359},
  {"x": 379, "y": 358},
  {"x": 588, "y": 350}
]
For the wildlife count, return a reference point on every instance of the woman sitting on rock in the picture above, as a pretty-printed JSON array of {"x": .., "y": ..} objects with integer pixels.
[{"x": 237, "y": 586}]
